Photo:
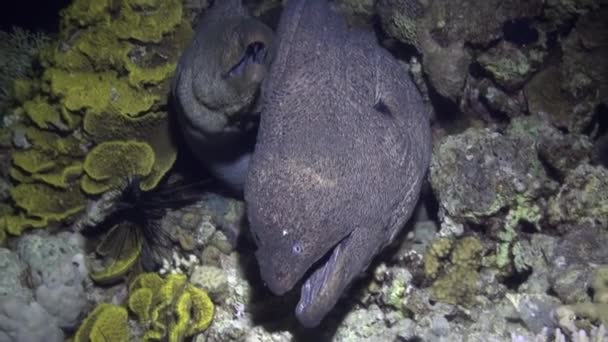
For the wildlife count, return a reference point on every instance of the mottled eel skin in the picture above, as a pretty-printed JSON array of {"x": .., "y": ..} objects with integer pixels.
[
  {"x": 342, "y": 149},
  {"x": 215, "y": 87}
]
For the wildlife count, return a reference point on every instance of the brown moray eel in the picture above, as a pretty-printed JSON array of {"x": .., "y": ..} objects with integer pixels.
[
  {"x": 342, "y": 149},
  {"x": 216, "y": 85}
]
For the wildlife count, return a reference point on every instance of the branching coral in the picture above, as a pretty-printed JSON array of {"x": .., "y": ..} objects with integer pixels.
[
  {"x": 457, "y": 281},
  {"x": 173, "y": 308}
]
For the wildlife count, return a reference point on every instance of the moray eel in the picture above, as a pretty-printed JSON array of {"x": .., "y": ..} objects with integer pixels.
[
  {"x": 342, "y": 149},
  {"x": 215, "y": 88}
]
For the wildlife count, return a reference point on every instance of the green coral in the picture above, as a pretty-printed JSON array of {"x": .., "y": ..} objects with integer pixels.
[
  {"x": 148, "y": 20},
  {"x": 51, "y": 159},
  {"x": 86, "y": 12},
  {"x": 456, "y": 280},
  {"x": 508, "y": 250},
  {"x": 119, "y": 267},
  {"x": 98, "y": 92},
  {"x": 43, "y": 114},
  {"x": 112, "y": 63},
  {"x": 107, "y": 322},
  {"x": 111, "y": 162},
  {"x": 438, "y": 250},
  {"x": 152, "y": 128},
  {"x": 16, "y": 224},
  {"x": 44, "y": 202},
  {"x": 173, "y": 308}
]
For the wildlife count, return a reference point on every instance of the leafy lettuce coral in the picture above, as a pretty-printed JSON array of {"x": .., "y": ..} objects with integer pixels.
[
  {"x": 173, "y": 307},
  {"x": 104, "y": 88},
  {"x": 107, "y": 322}
]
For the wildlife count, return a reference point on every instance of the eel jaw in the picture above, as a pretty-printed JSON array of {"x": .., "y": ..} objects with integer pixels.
[{"x": 319, "y": 293}]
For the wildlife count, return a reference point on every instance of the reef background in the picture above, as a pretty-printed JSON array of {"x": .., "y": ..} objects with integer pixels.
[{"x": 508, "y": 244}]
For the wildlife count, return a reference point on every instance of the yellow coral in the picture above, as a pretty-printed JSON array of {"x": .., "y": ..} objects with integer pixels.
[
  {"x": 153, "y": 302},
  {"x": 113, "y": 161},
  {"x": 140, "y": 302},
  {"x": 103, "y": 48},
  {"x": 16, "y": 224},
  {"x": 53, "y": 143},
  {"x": 457, "y": 278},
  {"x": 98, "y": 68},
  {"x": 43, "y": 114},
  {"x": 439, "y": 249},
  {"x": 127, "y": 251},
  {"x": 86, "y": 12},
  {"x": 149, "y": 20},
  {"x": 34, "y": 161},
  {"x": 147, "y": 280},
  {"x": 98, "y": 92},
  {"x": 117, "y": 268},
  {"x": 152, "y": 128},
  {"x": 107, "y": 322},
  {"x": 43, "y": 201}
]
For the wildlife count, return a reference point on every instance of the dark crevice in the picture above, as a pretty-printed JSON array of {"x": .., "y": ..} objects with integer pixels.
[
  {"x": 520, "y": 31},
  {"x": 477, "y": 71},
  {"x": 514, "y": 281},
  {"x": 599, "y": 122},
  {"x": 551, "y": 171},
  {"x": 431, "y": 204},
  {"x": 446, "y": 110},
  {"x": 414, "y": 339},
  {"x": 497, "y": 115},
  {"x": 551, "y": 292},
  {"x": 590, "y": 292},
  {"x": 527, "y": 227}
]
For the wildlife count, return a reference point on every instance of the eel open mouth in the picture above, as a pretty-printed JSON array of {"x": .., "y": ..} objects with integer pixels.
[
  {"x": 321, "y": 290},
  {"x": 255, "y": 53}
]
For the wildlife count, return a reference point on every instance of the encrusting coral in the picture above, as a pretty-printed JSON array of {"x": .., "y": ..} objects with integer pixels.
[
  {"x": 458, "y": 281},
  {"x": 172, "y": 308},
  {"x": 103, "y": 90}
]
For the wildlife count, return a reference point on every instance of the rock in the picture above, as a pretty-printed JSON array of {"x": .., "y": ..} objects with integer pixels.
[
  {"x": 21, "y": 321},
  {"x": 13, "y": 272},
  {"x": 57, "y": 270}
]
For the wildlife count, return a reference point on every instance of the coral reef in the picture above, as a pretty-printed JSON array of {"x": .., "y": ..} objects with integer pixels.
[
  {"x": 108, "y": 69},
  {"x": 512, "y": 248},
  {"x": 172, "y": 308},
  {"x": 107, "y": 322},
  {"x": 460, "y": 281}
]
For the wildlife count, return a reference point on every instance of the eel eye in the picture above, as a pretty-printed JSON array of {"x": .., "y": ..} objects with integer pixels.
[
  {"x": 297, "y": 248},
  {"x": 255, "y": 53}
]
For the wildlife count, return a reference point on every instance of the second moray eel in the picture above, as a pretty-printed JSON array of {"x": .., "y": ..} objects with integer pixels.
[{"x": 215, "y": 88}]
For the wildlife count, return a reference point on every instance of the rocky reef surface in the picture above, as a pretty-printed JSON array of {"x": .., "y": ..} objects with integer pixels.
[{"x": 508, "y": 243}]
